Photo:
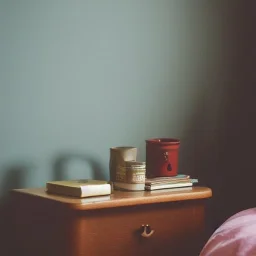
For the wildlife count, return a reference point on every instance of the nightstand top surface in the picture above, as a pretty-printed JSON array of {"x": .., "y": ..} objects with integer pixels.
[{"x": 119, "y": 198}]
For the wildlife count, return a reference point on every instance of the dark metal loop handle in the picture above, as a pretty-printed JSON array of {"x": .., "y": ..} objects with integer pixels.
[{"x": 147, "y": 231}]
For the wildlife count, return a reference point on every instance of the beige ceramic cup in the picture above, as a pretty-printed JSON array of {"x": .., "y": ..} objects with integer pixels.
[{"x": 118, "y": 156}]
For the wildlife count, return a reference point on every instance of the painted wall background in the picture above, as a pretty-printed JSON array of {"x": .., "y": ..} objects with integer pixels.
[{"x": 78, "y": 77}]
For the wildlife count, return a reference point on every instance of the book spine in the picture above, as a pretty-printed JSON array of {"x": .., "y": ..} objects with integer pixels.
[{"x": 166, "y": 186}]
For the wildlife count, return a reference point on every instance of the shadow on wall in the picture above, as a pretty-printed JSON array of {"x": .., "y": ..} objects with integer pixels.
[
  {"x": 60, "y": 170},
  {"x": 14, "y": 177},
  {"x": 225, "y": 155}
]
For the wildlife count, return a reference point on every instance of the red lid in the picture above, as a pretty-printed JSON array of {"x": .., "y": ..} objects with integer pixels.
[{"x": 167, "y": 141}]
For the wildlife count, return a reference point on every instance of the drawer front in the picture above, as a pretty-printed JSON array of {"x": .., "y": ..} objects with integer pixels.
[{"x": 176, "y": 229}]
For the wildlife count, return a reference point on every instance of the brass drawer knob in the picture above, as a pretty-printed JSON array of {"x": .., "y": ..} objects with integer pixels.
[{"x": 147, "y": 231}]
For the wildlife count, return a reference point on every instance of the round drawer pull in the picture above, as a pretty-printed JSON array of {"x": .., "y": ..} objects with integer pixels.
[{"x": 147, "y": 231}]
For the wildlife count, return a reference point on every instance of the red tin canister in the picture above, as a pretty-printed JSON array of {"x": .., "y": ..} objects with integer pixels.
[{"x": 162, "y": 157}]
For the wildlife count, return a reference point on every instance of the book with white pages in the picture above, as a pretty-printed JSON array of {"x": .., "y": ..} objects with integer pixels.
[{"x": 167, "y": 186}]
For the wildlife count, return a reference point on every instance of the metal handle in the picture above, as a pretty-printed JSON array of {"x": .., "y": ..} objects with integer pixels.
[{"x": 147, "y": 231}]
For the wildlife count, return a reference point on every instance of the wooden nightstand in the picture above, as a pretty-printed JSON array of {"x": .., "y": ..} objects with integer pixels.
[{"x": 116, "y": 225}]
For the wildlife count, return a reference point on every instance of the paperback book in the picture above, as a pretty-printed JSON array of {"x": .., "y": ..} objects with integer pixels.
[
  {"x": 79, "y": 188},
  {"x": 164, "y": 180},
  {"x": 178, "y": 181}
]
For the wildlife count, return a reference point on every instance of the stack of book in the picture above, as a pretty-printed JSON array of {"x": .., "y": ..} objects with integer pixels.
[
  {"x": 178, "y": 181},
  {"x": 93, "y": 188}
]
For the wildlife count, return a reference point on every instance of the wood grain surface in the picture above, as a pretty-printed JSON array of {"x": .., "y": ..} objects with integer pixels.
[
  {"x": 122, "y": 198},
  {"x": 51, "y": 225}
]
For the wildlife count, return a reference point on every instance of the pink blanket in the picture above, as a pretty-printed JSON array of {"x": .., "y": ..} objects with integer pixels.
[{"x": 235, "y": 237}]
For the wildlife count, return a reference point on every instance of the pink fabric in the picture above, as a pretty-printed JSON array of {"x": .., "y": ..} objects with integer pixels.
[{"x": 235, "y": 237}]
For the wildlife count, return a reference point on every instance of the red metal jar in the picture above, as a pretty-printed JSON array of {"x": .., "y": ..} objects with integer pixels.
[{"x": 162, "y": 157}]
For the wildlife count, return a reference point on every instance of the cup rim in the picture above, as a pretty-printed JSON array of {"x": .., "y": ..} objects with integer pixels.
[{"x": 122, "y": 147}]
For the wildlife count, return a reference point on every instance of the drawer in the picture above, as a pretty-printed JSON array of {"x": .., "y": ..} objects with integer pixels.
[{"x": 178, "y": 230}]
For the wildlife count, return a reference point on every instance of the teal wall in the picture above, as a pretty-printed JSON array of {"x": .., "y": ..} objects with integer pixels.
[{"x": 78, "y": 77}]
